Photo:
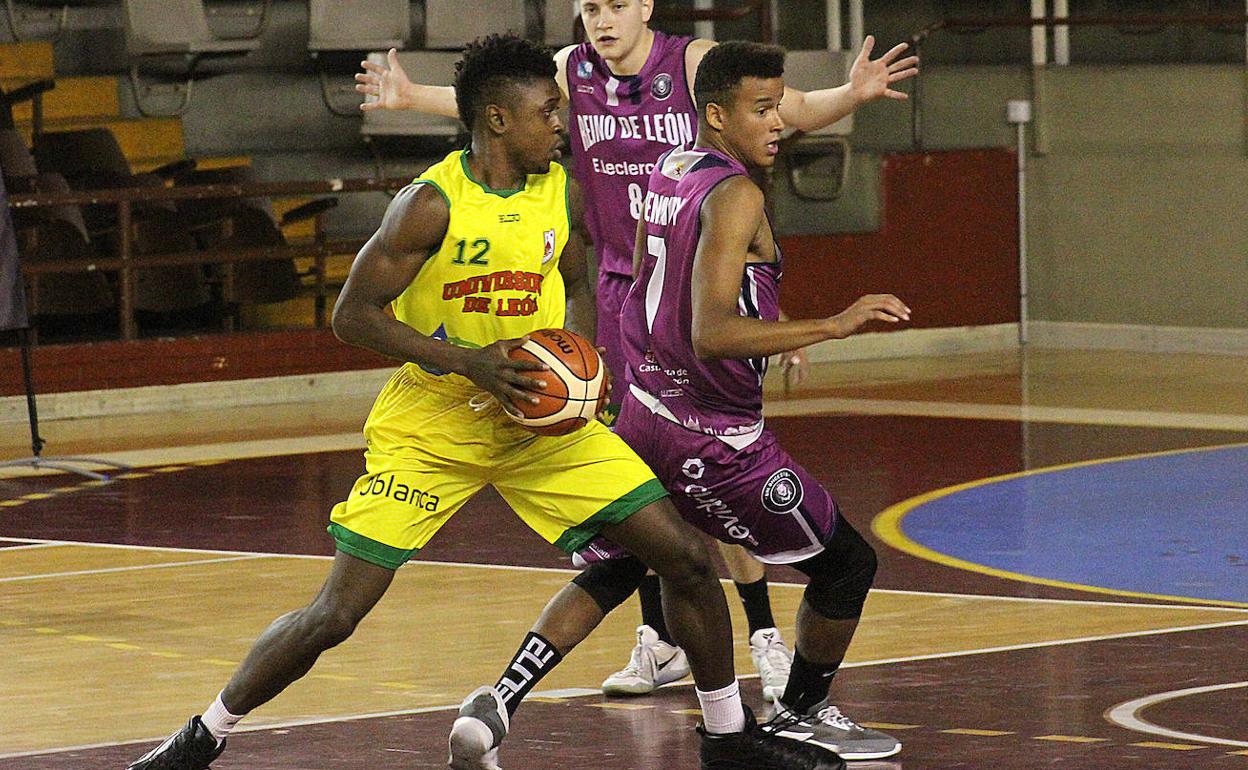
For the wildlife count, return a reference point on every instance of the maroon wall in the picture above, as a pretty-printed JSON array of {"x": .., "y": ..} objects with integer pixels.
[
  {"x": 99, "y": 365},
  {"x": 947, "y": 244}
]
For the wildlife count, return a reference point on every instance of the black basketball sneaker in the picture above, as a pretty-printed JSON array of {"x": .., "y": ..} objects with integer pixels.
[
  {"x": 191, "y": 748},
  {"x": 753, "y": 749}
]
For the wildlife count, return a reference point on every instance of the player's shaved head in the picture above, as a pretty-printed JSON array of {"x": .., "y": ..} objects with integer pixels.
[{"x": 491, "y": 68}]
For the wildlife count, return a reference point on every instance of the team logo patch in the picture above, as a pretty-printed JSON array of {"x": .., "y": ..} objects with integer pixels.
[
  {"x": 694, "y": 468},
  {"x": 661, "y": 86},
  {"x": 548, "y": 246},
  {"x": 584, "y": 69},
  {"x": 783, "y": 491}
]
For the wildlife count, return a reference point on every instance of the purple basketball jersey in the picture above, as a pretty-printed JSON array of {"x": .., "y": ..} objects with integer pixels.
[
  {"x": 722, "y": 397},
  {"x": 619, "y": 127}
]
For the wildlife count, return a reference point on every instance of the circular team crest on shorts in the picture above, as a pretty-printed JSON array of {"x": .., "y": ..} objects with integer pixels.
[
  {"x": 661, "y": 87},
  {"x": 783, "y": 491}
]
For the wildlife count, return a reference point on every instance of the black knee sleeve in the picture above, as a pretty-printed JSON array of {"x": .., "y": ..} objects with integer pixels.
[
  {"x": 610, "y": 582},
  {"x": 841, "y": 575}
]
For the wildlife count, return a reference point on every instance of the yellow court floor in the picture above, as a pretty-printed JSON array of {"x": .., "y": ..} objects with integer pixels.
[{"x": 108, "y": 630}]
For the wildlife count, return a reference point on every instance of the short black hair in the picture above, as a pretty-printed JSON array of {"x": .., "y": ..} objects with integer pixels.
[
  {"x": 727, "y": 64},
  {"x": 492, "y": 64}
]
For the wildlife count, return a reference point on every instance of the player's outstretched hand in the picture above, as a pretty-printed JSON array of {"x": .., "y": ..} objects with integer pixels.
[
  {"x": 871, "y": 80},
  {"x": 387, "y": 83},
  {"x": 502, "y": 376},
  {"x": 872, "y": 307}
]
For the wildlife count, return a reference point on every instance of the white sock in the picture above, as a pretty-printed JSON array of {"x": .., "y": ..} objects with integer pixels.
[
  {"x": 721, "y": 709},
  {"x": 219, "y": 720}
]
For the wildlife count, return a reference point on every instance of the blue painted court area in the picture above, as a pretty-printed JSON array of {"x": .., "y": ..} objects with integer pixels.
[{"x": 1172, "y": 524}]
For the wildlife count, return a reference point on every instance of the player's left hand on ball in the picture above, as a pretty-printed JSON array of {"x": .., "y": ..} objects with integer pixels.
[{"x": 504, "y": 377}]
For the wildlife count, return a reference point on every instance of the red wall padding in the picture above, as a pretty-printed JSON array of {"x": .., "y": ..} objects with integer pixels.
[
  {"x": 100, "y": 365},
  {"x": 947, "y": 245}
]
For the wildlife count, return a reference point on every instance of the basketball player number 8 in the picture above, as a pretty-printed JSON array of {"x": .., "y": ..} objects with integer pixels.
[{"x": 635, "y": 200}]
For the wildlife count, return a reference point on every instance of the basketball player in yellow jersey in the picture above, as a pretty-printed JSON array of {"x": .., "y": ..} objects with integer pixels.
[{"x": 482, "y": 249}]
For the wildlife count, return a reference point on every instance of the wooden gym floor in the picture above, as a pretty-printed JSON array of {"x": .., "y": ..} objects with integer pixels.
[{"x": 1082, "y": 612}]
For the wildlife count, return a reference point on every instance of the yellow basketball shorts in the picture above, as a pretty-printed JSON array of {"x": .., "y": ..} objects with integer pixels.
[{"x": 429, "y": 451}]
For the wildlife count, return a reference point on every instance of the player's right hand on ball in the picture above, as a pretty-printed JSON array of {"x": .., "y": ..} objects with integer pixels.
[
  {"x": 503, "y": 377},
  {"x": 872, "y": 307}
]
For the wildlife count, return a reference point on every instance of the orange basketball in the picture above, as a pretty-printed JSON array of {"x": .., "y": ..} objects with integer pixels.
[{"x": 576, "y": 385}]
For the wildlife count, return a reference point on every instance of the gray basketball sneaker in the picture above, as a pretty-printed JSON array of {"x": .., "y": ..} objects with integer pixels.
[
  {"x": 478, "y": 731},
  {"x": 825, "y": 725}
]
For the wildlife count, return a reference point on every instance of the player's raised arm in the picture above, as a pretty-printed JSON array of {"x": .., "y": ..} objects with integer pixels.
[
  {"x": 869, "y": 80},
  {"x": 582, "y": 313},
  {"x": 392, "y": 89}
]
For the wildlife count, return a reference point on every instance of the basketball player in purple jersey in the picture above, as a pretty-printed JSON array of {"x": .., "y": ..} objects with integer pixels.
[
  {"x": 698, "y": 327},
  {"x": 629, "y": 95}
]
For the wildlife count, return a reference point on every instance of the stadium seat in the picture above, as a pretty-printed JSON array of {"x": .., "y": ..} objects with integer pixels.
[
  {"x": 159, "y": 28},
  {"x": 244, "y": 223},
  {"x": 362, "y": 25},
  {"x": 450, "y": 24},
  {"x": 339, "y": 33},
  {"x": 92, "y": 159},
  {"x": 49, "y": 234}
]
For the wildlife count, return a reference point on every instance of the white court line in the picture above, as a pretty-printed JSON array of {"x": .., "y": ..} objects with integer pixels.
[
  {"x": 1047, "y": 643},
  {"x": 1044, "y": 600},
  {"x": 585, "y": 692},
  {"x": 28, "y": 546},
  {"x": 132, "y": 568},
  {"x": 1125, "y": 714},
  {"x": 338, "y": 442},
  {"x": 572, "y": 571}
]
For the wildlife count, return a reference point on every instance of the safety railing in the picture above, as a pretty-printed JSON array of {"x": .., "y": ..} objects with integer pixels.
[
  {"x": 125, "y": 262},
  {"x": 1158, "y": 21}
]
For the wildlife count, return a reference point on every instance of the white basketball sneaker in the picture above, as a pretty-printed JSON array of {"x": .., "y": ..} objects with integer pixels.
[
  {"x": 653, "y": 664},
  {"x": 773, "y": 661}
]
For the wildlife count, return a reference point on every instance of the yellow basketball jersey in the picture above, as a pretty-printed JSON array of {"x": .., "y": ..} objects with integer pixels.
[{"x": 496, "y": 274}]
